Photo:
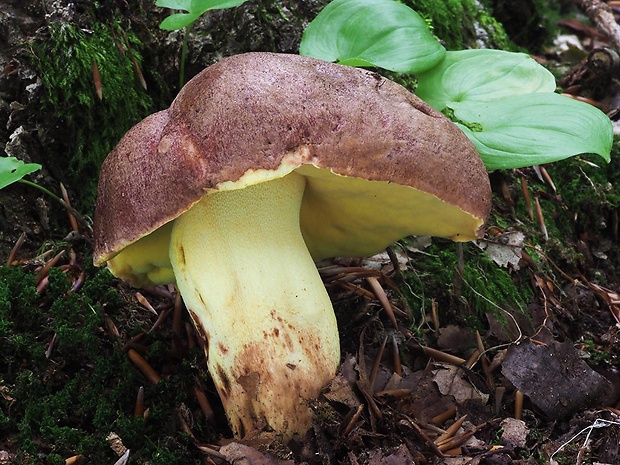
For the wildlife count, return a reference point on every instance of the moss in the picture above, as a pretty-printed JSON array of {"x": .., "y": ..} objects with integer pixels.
[
  {"x": 66, "y": 401},
  {"x": 530, "y": 24},
  {"x": 462, "y": 24},
  {"x": 486, "y": 287},
  {"x": 89, "y": 127},
  {"x": 581, "y": 217}
]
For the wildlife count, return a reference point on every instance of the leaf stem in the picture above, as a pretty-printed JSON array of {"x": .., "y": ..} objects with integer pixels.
[{"x": 188, "y": 29}]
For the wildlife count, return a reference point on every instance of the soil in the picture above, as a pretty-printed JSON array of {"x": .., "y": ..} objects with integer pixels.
[{"x": 519, "y": 368}]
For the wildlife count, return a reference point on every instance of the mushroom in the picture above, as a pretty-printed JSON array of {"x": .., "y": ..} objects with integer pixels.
[{"x": 263, "y": 164}]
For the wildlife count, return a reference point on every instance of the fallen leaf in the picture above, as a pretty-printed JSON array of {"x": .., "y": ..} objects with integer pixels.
[
  {"x": 450, "y": 381},
  {"x": 554, "y": 377}
]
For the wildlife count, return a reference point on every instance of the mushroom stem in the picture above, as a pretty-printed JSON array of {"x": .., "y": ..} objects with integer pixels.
[{"x": 252, "y": 288}]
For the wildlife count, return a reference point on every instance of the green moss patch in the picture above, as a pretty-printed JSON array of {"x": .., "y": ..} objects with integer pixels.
[
  {"x": 462, "y": 24},
  {"x": 66, "y": 383},
  {"x": 75, "y": 64},
  {"x": 485, "y": 287}
]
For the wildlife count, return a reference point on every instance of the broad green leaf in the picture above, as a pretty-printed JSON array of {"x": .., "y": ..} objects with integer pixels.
[
  {"x": 532, "y": 129},
  {"x": 205, "y": 5},
  {"x": 482, "y": 75},
  {"x": 178, "y": 21},
  {"x": 12, "y": 169},
  {"x": 382, "y": 33},
  {"x": 174, "y": 4},
  {"x": 194, "y": 8}
]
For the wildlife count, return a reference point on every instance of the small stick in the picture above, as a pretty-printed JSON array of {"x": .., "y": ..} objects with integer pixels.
[
  {"x": 160, "y": 319},
  {"x": 50, "y": 347},
  {"x": 211, "y": 452},
  {"x": 506, "y": 194},
  {"x": 421, "y": 434},
  {"x": 518, "y": 404},
  {"x": 74, "y": 459},
  {"x": 144, "y": 367},
  {"x": 72, "y": 220},
  {"x": 541, "y": 219},
  {"x": 138, "y": 410},
  {"x": 353, "y": 420},
  {"x": 377, "y": 363},
  {"x": 16, "y": 247},
  {"x": 441, "y": 356},
  {"x": 97, "y": 81},
  {"x": 133, "y": 342},
  {"x": 46, "y": 268},
  {"x": 385, "y": 302},
  {"x": 396, "y": 357},
  {"x": 456, "y": 442},
  {"x": 77, "y": 284},
  {"x": 184, "y": 426},
  {"x": 527, "y": 197},
  {"x": 395, "y": 263},
  {"x": 473, "y": 358},
  {"x": 547, "y": 178},
  {"x": 139, "y": 72},
  {"x": 484, "y": 361},
  {"x": 145, "y": 303},
  {"x": 443, "y": 417},
  {"x": 398, "y": 393},
  {"x": 434, "y": 315},
  {"x": 73, "y": 211},
  {"x": 204, "y": 403},
  {"x": 42, "y": 285},
  {"x": 450, "y": 431}
]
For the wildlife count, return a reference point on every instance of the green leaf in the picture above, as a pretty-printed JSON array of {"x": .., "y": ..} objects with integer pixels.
[
  {"x": 12, "y": 170},
  {"x": 481, "y": 76},
  {"x": 194, "y": 8},
  {"x": 382, "y": 33},
  {"x": 532, "y": 129},
  {"x": 205, "y": 5},
  {"x": 175, "y": 4},
  {"x": 178, "y": 21}
]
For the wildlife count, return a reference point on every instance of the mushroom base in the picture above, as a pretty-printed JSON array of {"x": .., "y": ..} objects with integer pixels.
[{"x": 253, "y": 290}]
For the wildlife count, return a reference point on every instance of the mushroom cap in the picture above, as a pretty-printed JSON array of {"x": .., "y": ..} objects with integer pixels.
[{"x": 258, "y": 116}]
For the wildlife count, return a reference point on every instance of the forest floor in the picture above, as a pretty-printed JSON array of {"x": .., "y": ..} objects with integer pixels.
[{"x": 504, "y": 351}]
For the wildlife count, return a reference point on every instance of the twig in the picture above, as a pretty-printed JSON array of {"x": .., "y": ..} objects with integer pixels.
[
  {"x": 65, "y": 197},
  {"x": 16, "y": 247},
  {"x": 142, "y": 365},
  {"x": 83, "y": 223},
  {"x": 601, "y": 15},
  {"x": 138, "y": 410},
  {"x": 383, "y": 298},
  {"x": 518, "y": 404}
]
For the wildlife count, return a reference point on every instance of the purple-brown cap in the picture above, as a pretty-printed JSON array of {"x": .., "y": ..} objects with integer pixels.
[{"x": 255, "y": 117}]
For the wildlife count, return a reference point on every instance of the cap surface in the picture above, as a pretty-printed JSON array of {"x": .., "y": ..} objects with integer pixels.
[{"x": 257, "y": 116}]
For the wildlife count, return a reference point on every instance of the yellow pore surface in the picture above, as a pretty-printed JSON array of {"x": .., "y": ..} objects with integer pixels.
[{"x": 340, "y": 216}]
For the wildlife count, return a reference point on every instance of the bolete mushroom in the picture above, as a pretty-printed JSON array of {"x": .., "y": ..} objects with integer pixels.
[{"x": 263, "y": 164}]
